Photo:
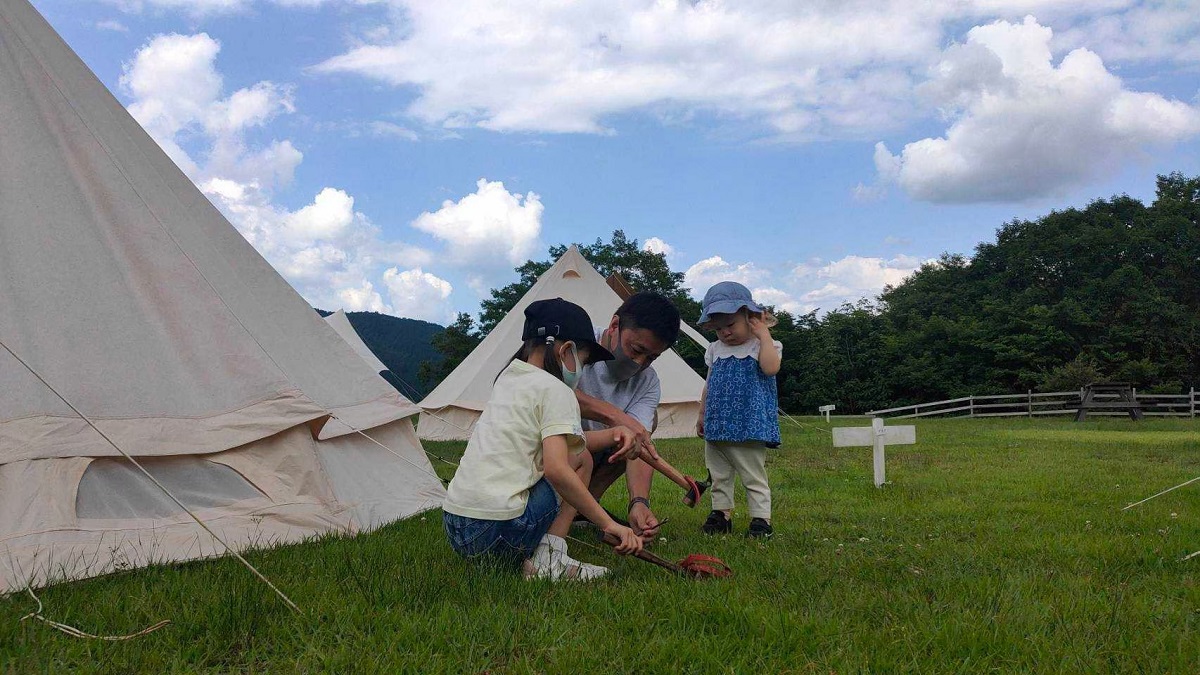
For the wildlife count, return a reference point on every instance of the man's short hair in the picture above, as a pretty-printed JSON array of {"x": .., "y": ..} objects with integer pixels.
[{"x": 653, "y": 312}]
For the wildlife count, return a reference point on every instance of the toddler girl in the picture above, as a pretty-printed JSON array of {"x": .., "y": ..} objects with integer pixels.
[
  {"x": 526, "y": 454},
  {"x": 738, "y": 418}
]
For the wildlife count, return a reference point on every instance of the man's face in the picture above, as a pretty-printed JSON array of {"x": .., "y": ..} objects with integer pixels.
[{"x": 639, "y": 344}]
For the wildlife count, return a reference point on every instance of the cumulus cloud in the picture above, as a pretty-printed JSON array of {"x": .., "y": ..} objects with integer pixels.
[
  {"x": 418, "y": 294},
  {"x": 1023, "y": 127},
  {"x": 700, "y": 276},
  {"x": 813, "y": 285},
  {"x": 176, "y": 92},
  {"x": 656, "y": 245},
  {"x": 829, "y": 284},
  {"x": 327, "y": 249},
  {"x": 488, "y": 228},
  {"x": 799, "y": 69}
]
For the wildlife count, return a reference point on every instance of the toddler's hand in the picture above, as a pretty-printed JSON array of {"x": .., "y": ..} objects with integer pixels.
[{"x": 759, "y": 328}]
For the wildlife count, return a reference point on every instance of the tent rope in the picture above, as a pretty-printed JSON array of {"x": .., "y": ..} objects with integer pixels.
[
  {"x": 154, "y": 480},
  {"x": 802, "y": 426},
  {"x": 1162, "y": 493},
  {"x": 428, "y": 472},
  {"x": 75, "y": 632}
]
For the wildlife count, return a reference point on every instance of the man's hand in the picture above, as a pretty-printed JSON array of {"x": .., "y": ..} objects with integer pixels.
[
  {"x": 700, "y": 426},
  {"x": 641, "y": 434},
  {"x": 626, "y": 444},
  {"x": 643, "y": 522}
]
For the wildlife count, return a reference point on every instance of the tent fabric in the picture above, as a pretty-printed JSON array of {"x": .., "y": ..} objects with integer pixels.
[
  {"x": 135, "y": 300},
  {"x": 451, "y": 408},
  {"x": 342, "y": 326}
]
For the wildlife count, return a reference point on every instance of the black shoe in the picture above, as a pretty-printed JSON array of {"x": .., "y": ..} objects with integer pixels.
[
  {"x": 760, "y": 529},
  {"x": 717, "y": 523}
]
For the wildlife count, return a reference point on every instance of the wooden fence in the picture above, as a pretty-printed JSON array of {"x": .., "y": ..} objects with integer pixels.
[{"x": 1031, "y": 404}]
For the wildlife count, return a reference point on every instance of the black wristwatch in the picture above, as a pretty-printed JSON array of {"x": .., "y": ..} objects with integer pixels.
[{"x": 638, "y": 500}]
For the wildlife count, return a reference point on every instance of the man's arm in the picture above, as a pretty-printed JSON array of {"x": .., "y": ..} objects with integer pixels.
[
  {"x": 638, "y": 474},
  {"x": 599, "y": 410}
]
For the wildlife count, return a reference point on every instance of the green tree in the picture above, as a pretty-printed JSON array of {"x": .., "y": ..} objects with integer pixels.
[
  {"x": 644, "y": 270},
  {"x": 454, "y": 344}
]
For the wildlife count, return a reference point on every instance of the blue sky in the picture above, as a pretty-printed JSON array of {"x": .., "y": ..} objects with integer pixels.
[{"x": 404, "y": 156}]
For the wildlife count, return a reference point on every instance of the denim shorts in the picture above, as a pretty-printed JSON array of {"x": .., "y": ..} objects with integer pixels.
[{"x": 508, "y": 541}]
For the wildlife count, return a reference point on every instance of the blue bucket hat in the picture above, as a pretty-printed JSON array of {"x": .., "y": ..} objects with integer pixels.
[{"x": 727, "y": 297}]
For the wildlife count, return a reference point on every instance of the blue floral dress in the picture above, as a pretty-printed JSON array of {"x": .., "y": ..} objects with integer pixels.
[{"x": 742, "y": 404}]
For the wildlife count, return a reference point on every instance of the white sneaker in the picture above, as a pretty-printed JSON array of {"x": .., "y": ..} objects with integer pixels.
[{"x": 550, "y": 561}]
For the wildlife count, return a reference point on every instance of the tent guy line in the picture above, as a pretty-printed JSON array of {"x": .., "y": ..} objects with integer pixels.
[
  {"x": 75, "y": 632},
  {"x": 154, "y": 480}
]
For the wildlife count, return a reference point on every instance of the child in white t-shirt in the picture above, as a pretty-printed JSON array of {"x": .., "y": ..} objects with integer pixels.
[{"x": 526, "y": 454}]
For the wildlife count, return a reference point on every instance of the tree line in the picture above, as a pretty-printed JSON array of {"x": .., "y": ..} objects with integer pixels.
[{"x": 1107, "y": 292}]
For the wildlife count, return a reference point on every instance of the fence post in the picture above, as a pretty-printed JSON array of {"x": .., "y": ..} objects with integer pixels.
[
  {"x": 971, "y": 403},
  {"x": 1029, "y": 400},
  {"x": 1192, "y": 407}
]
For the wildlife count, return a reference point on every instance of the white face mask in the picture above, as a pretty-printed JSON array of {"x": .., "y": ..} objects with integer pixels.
[
  {"x": 571, "y": 377},
  {"x": 622, "y": 367}
]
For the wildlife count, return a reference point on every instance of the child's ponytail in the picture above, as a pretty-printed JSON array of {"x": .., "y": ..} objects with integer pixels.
[{"x": 550, "y": 362}]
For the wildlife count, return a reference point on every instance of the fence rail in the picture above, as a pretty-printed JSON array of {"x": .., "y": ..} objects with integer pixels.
[{"x": 1031, "y": 404}]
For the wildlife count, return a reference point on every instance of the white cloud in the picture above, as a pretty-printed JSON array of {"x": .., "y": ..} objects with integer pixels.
[
  {"x": 328, "y": 217},
  {"x": 393, "y": 130},
  {"x": 418, "y": 294},
  {"x": 868, "y": 193},
  {"x": 1162, "y": 30},
  {"x": 489, "y": 228},
  {"x": 796, "y": 70},
  {"x": 799, "y": 69},
  {"x": 829, "y": 284},
  {"x": 779, "y": 299},
  {"x": 205, "y": 8},
  {"x": 191, "y": 7},
  {"x": 329, "y": 251},
  {"x": 174, "y": 82},
  {"x": 1023, "y": 127},
  {"x": 113, "y": 25},
  {"x": 700, "y": 276},
  {"x": 656, "y": 245},
  {"x": 814, "y": 285}
]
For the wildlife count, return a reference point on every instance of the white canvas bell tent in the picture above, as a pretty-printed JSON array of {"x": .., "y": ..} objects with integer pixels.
[
  {"x": 132, "y": 298},
  {"x": 341, "y": 324},
  {"x": 451, "y": 409}
]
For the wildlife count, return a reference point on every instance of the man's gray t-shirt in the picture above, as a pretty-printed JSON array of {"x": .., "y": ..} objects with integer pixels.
[{"x": 638, "y": 396}]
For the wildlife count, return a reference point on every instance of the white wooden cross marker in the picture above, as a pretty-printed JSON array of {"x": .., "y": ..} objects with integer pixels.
[
  {"x": 827, "y": 409},
  {"x": 878, "y": 436}
]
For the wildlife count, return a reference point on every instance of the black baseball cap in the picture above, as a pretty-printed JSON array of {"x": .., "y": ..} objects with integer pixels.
[{"x": 563, "y": 321}]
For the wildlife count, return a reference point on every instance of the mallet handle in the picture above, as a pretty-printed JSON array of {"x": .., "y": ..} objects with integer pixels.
[
  {"x": 647, "y": 556},
  {"x": 660, "y": 465}
]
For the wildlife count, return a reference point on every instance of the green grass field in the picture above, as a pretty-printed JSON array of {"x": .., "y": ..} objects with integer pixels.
[{"x": 998, "y": 546}]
